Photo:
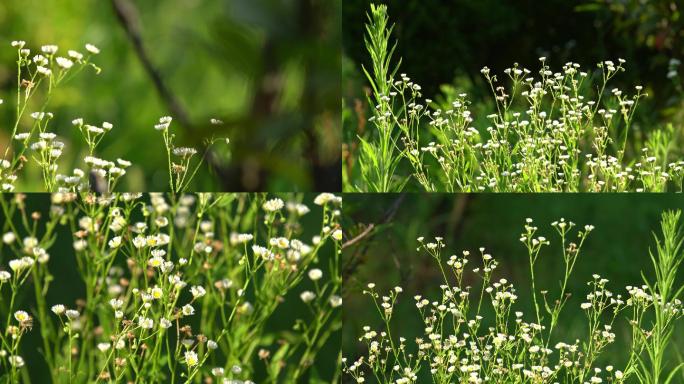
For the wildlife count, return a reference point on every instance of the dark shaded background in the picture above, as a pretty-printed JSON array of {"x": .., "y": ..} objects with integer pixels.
[
  {"x": 617, "y": 249},
  {"x": 269, "y": 68},
  {"x": 444, "y": 39},
  {"x": 445, "y": 43}
]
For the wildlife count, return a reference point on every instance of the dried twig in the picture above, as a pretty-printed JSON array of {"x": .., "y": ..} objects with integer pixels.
[
  {"x": 356, "y": 258},
  {"x": 359, "y": 237}
]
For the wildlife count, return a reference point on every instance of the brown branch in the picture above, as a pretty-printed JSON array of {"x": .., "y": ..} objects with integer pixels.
[
  {"x": 359, "y": 237},
  {"x": 357, "y": 257},
  {"x": 264, "y": 102},
  {"x": 129, "y": 19}
]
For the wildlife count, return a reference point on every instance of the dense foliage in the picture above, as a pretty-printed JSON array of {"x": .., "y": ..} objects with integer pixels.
[{"x": 180, "y": 288}]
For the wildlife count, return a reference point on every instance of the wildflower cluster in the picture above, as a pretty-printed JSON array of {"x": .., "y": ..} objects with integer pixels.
[
  {"x": 36, "y": 143},
  {"x": 475, "y": 333},
  {"x": 552, "y": 130},
  {"x": 177, "y": 288},
  {"x": 180, "y": 159}
]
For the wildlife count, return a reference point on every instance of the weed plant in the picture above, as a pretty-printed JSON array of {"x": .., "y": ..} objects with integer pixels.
[
  {"x": 474, "y": 333},
  {"x": 177, "y": 289},
  {"x": 557, "y": 130},
  {"x": 34, "y": 142}
]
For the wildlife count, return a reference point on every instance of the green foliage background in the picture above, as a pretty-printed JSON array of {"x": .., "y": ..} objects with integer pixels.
[
  {"x": 617, "y": 249},
  {"x": 268, "y": 68}
]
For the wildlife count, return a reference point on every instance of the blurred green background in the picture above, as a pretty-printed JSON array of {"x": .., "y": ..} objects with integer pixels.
[
  {"x": 269, "y": 69},
  {"x": 617, "y": 249},
  {"x": 445, "y": 44},
  {"x": 68, "y": 287}
]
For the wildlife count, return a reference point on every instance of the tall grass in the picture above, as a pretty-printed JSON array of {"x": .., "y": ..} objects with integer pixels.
[
  {"x": 378, "y": 158},
  {"x": 651, "y": 367}
]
